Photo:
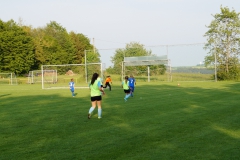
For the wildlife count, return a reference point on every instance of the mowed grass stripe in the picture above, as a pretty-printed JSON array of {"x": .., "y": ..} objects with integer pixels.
[{"x": 162, "y": 120}]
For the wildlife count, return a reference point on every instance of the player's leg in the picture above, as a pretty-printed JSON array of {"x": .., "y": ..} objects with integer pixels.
[
  {"x": 93, "y": 102},
  {"x": 107, "y": 85},
  {"x": 132, "y": 90},
  {"x": 99, "y": 108},
  {"x": 127, "y": 94},
  {"x": 72, "y": 90}
]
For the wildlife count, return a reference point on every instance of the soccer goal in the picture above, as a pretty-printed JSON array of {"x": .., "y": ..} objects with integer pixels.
[
  {"x": 36, "y": 76},
  {"x": 81, "y": 73},
  {"x": 8, "y": 78},
  {"x": 151, "y": 66}
]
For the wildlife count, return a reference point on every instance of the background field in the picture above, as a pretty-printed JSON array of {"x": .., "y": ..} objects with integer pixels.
[
  {"x": 80, "y": 79},
  {"x": 196, "y": 120}
]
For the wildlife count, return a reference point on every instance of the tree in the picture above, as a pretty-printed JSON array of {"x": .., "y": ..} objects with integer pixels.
[
  {"x": 62, "y": 50},
  {"x": 23, "y": 48},
  {"x": 52, "y": 45},
  {"x": 16, "y": 48},
  {"x": 82, "y": 43},
  {"x": 133, "y": 49},
  {"x": 223, "y": 39},
  {"x": 41, "y": 44}
]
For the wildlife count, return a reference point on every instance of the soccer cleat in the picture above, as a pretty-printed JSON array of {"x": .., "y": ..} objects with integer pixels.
[
  {"x": 89, "y": 115},
  {"x": 125, "y": 99},
  {"x": 99, "y": 117}
]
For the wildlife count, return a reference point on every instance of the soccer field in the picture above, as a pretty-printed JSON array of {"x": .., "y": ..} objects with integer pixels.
[{"x": 196, "y": 120}]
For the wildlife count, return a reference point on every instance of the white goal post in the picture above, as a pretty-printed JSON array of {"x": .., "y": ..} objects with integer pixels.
[
  {"x": 147, "y": 61},
  {"x": 35, "y": 76},
  {"x": 81, "y": 73},
  {"x": 8, "y": 78}
]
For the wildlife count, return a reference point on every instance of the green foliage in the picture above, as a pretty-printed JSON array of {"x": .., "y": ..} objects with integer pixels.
[
  {"x": 61, "y": 51},
  {"x": 80, "y": 43},
  {"x": 54, "y": 45},
  {"x": 234, "y": 72},
  {"x": 92, "y": 57},
  {"x": 195, "y": 69},
  {"x": 16, "y": 48},
  {"x": 143, "y": 70},
  {"x": 223, "y": 42},
  {"x": 23, "y": 48},
  {"x": 133, "y": 49}
]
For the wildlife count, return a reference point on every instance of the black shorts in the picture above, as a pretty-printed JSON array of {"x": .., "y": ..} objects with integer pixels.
[
  {"x": 96, "y": 98},
  {"x": 126, "y": 90}
]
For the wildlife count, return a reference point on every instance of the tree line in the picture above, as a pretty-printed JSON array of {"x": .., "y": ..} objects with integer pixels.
[
  {"x": 134, "y": 49},
  {"x": 24, "y": 48}
]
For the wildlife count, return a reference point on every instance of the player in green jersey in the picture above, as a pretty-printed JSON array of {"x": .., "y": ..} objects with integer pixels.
[
  {"x": 126, "y": 88},
  {"x": 96, "y": 95}
]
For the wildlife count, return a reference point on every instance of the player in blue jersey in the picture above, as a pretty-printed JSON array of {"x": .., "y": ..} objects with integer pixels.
[
  {"x": 132, "y": 83},
  {"x": 71, "y": 86}
]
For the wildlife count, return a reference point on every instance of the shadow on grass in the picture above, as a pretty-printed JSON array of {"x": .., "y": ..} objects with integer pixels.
[
  {"x": 4, "y": 95},
  {"x": 164, "y": 120}
]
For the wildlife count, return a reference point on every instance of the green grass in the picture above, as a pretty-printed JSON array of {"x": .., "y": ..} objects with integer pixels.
[
  {"x": 80, "y": 80},
  {"x": 196, "y": 120},
  {"x": 167, "y": 77}
]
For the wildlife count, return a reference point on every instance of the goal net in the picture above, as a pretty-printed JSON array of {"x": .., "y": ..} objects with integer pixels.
[
  {"x": 59, "y": 76},
  {"x": 187, "y": 61},
  {"x": 156, "y": 68},
  {"x": 8, "y": 79},
  {"x": 50, "y": 76}
]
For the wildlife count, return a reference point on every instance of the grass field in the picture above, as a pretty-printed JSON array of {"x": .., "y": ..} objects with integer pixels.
[{"x": 196, "y": 120}]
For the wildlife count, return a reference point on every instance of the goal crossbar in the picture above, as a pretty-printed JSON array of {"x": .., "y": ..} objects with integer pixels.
[
  {"x": 145, "y": 61},
  {"x": 8, "y": 78},
  {"x": 68, "y": 71}
]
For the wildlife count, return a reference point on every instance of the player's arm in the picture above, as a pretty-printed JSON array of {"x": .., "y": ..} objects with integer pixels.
[
  {"x": 101, "y": 88},
  {"x": 89, "y": 85}
]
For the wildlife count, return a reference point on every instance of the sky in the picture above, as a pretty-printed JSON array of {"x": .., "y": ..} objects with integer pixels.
[{"x": 111, "y": 24}]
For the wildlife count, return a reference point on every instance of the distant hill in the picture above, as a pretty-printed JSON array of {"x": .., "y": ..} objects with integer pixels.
[{"x": 193, "y": 69}]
